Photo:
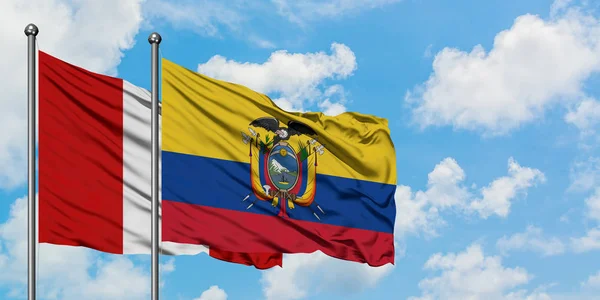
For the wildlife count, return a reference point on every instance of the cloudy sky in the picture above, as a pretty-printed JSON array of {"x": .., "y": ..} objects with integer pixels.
[{"x": 494, "y": 108}]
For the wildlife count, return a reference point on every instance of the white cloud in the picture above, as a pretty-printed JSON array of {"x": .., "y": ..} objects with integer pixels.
[
  {"x": 261, "y": 42},
  {"x": 420, "y": 211},
  {"x": 214, "y": 18},
  {"x": 532, "y": 240},
  {"x": 587, "y": 243},
  {"x": 427, "y": 53},
  {"x": 203, "y": 17},
  {"x": 165, "y": 269},
  {"x": 593, "y": 282},
  {"x": 585, "y": 116},
  {"x": 471, "y": 275},
  {"x": 535, "y": 295},
  {"x": 168, "y": 267},
  {"x": 213, "y": 293},
  {"x": 298, "y": 79},
  {"x": 301, "y": 11},
  {"x": 591, "y": 241},
  {"x": 331, "y": 109},
  {"x": 335, "y": 100},
  {"x": 532, "y": 66},
  {"x": 90, "y": 275},
  {"x": 443, "y": 185},
  {"x": 306, "y": 274},
  {"x": 559, "y": 6},
  {"x": 73, "y": 31},
  {"x": 593, "y": 205},
  {"x": 415, "y": 214},
  {"x": 446, "y": 190},
  {"x": 585, "y": 175},
  {"x": 118, "y": 278},
  {"x": 496, "y": 197}
]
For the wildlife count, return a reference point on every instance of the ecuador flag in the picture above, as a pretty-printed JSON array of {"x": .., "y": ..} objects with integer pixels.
[{"x": 242, "y": 175}]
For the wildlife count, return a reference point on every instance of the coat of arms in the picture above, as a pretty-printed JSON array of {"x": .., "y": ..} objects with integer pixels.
[{"x": 283, "y": 164}]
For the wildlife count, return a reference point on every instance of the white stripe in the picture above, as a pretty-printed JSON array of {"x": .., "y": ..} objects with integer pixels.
[{"x": 136, "y": 176}]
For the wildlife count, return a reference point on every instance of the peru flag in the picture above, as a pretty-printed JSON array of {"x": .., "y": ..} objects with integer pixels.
[{"x": 94, "y": 165}]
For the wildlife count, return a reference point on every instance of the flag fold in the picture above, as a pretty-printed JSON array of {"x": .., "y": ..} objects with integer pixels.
[{"x": 242, "y": 175}]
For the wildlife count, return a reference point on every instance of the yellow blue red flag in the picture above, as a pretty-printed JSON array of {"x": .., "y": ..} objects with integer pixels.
[{"x": 240, "y": 174}]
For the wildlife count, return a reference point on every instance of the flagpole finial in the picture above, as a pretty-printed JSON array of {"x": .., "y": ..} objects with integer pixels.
[
  {"x": 31, "y": 29},
  {"x": 154, "y": 38}
]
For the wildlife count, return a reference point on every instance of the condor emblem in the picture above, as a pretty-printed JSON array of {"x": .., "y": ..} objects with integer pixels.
[{"x": 283, "y": 164}]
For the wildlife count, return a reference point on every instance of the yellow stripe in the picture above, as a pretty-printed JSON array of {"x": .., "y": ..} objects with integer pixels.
[{"x": 206, "y": 117}]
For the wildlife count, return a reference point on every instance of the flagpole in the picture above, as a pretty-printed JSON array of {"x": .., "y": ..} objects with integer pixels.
[
  {"x": 154, "y": 39},
  {"x": 31, "y": 31}
]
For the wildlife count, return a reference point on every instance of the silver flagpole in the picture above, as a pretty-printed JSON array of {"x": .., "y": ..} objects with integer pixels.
[
  {"x": 31, "y": 32},
  {"x": 154, "y": 40}
]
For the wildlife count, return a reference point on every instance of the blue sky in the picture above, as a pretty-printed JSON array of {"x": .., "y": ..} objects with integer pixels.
[{"x": 493, "y": 108}]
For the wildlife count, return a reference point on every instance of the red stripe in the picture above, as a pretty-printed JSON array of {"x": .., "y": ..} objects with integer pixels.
[
  {"x": 261, "y": 261},
  {"x": 80, "y": 157},
  {"x": 240, "y": 231}
]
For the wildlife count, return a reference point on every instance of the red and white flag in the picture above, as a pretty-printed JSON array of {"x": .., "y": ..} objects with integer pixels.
[{"x": 95, "y": 165}]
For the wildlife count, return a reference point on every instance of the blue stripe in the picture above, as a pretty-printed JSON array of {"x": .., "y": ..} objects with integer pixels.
[{"x": 223, "y": 184}]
